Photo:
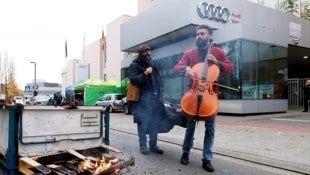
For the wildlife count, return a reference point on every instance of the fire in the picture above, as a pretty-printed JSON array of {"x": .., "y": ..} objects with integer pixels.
[
  {"x": 87, "y": 165},
  {"x": 98, "y": 166}
]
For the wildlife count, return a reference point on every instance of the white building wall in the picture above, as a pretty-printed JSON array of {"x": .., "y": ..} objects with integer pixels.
[
  {"x": 76, "y": 70},
  {"x": 82, "y": 71},
  {"x": 71, "y": 71},
  {"x": 145, "y": 4},
  {"x": 92, "y": 55},
  {"x": 113, "y": 53},
  {"x": 64, "y": 82}
]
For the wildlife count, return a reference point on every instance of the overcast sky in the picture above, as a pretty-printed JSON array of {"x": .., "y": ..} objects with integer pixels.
[{"x": 36, "y": 30}]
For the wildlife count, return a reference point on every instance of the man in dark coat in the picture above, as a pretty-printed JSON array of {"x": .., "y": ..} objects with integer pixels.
[
  {"x": 57, "y": 99},
  {"x": 147, "y": 110}
]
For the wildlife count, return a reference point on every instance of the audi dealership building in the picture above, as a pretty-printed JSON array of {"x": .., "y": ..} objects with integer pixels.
[{"x": 266, "y": 47}]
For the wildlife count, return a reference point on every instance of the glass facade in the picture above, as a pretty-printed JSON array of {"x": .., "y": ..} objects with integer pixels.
[
  {"x": 260, "y": 72},
  {"x": 264, "y": 70}
]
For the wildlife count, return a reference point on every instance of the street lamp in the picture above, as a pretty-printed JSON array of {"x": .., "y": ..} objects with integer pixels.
[{"x": 35, "y": 78}]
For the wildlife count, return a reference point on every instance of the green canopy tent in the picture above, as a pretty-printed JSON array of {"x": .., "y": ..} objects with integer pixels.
[
  {"x": 124, "y": 82},
  {"x": 124, "y": 85},
  {"x": 118, "y": 85},
  {"x": 93, "y": 89}
]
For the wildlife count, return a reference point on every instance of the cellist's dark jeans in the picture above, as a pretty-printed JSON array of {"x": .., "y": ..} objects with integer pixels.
[{"x": 208, "y": 138}]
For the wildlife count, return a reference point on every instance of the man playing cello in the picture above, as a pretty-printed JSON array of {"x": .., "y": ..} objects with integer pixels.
[{"x": 189, "y": 59}]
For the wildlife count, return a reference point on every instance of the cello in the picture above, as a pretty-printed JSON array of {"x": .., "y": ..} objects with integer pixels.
[{"x": 201, "y": 100}]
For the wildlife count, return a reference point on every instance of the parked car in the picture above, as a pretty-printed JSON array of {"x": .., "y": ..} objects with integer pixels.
[
  {"x": 28, "y": 100},
  {"x": 2, "y": 103},
  {"x": 113, "y": 101},
  {"x": 41, "y": 100},
  {"x": 2, "y": 100},
  {"x": 127, "y": 106},
  {"x": 19, "y": 100}
]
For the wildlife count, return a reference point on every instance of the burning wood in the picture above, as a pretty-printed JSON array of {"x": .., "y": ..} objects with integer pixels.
[
  {"x": 110, "y": 148},
  {"x": 108, "y": 164},
  {"x": 72, "y": 162}
]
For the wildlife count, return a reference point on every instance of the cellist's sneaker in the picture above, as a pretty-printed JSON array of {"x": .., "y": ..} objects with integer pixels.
[
  {"x": 156, "y": 150},
  {"x": 206, "y": 164},
  {"x": 184, "y": 159}
]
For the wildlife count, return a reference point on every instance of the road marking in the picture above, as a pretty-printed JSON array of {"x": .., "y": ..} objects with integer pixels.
[{"x": 291, "y": 120}]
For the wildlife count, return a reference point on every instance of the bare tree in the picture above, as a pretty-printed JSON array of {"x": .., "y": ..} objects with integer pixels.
[
  {"x": 305, "y": 11},
  {"x": 11, "y": 76},
  {"x": 7, "y": 74},
  {"x": 1, "y": 75},
  {"x": 300, "y": 8}
]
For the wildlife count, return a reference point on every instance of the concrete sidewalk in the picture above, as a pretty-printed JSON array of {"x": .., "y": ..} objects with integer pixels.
[{"x": 252, "y": 138}]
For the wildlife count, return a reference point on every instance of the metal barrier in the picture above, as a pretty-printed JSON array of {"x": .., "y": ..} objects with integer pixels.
[
  {"x": 89, "y": 119},
  {"x": 295, "y": 93}
]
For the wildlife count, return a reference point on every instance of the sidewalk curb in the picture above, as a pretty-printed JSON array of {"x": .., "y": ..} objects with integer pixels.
[
  {"x": 297, "y": 168},
  {"x": 262, "y": 116}
]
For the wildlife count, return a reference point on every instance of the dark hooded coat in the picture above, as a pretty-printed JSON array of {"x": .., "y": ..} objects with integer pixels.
[{"x": 150, "y": 102}]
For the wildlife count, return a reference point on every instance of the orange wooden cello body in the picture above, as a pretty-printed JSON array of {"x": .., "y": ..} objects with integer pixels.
[{"x": 201, "y": 100}]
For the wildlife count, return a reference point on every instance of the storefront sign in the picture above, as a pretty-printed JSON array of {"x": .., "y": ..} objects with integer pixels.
[
  {"x": 235, "y": 18},
  {"x": 295, "y": 30},
  {"x": 213, "y": 12}
]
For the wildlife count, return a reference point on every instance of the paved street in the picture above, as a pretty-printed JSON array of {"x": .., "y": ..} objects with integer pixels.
[
  {"x": 168, "y": 163},
  {"x": 278, "y": 140}
]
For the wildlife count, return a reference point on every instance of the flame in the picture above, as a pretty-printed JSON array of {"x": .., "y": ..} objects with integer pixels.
[
  {"x": 86, "y": 165},
  {"x": 99, "y": 166}
]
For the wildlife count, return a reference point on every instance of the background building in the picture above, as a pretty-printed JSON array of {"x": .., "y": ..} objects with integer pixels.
[
  {"x": 111, "y": 69},
  {"x": 162, "y": 34},
  {"x": 104, "y": 62},
  {"x": 263, "y": 44},
  {"x": 42, "y": 87}
]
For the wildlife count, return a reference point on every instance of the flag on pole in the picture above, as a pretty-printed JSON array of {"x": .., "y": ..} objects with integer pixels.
[
  {"x": 66, "y": 49},
  {"x": 102, "y": 40}
]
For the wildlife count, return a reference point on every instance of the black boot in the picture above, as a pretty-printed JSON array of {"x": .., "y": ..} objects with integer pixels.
[
  {"x": 156, "y": 150},
  {"x": 206, "y": 164},
  {"x": 184, "y": 159}
]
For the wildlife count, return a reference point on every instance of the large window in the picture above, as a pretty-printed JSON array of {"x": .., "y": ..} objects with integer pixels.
[
  {"x": 264, "y": 71},
  {"x": 249, "y": 76},
  {"x": 174, "y": 85},
  {"x": 231, "y": 82},
  {"x": 260, "y": 72}
]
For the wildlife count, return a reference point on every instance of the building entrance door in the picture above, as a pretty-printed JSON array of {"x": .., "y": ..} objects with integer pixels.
[
  {"x": 298, "y": 73},
  {"x": 295, "y": 93}
]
